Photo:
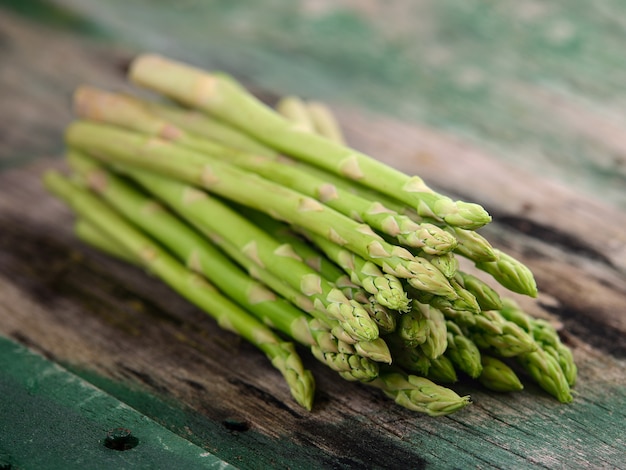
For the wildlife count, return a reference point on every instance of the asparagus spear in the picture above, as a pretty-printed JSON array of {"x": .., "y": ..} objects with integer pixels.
[
  {"x": 294, "y": 109},
  {"x": 498, "y": 376},
  {"x": 472, "y": 245},
  {"x": 209, "y": 261},
  {"x": 487, "y": 298},
  {"x": 462, "y": 351},
  {"x": 191, "y": 248},
  {"x": 385, "y": 320},
  {"x": 234, "y": 105},
  {"x": 440, "y": 370},
  {"x": 511, "y": 273},
  {"x": 324, "y": 122},
  {"x": 437, "y": 338},
  {"x": 418, "y": 393},
  {"x": 161, "y": 119},
  {"x": 116, "y": 145},
  {"x": 193, "y": 287},
  {"x": 386, "y": 288},
  {"x": 545, "y": 335},
  {"x": 313, "y": 116},
  {"x": 413, "y": 326},
  {"x": 91, "y": 235},
  {"x": 492, "y": 332},
  {"x": 202, "y": 256},
  {"x": 219, "y": 221},
  {"x": 127, "y": 112},
  {"x": 547, "y": 372}
]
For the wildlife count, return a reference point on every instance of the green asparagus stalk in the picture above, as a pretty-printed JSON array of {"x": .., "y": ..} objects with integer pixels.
[
  {"x": 545, "y": 335},
  {"x": 487, "y": 298},
  {"x": 472, "y": 245},
  {"x": 547, "y": 372},
  {"x": 446, "y": 263},
  {"x": 510, "y": 273},
  {"x": 160, "y": 119},
  {"x": 216, "y": 219},
  {"x": 384, "y": 319},
  {"x": 493, "y": 332},
  {"x": 498, "y": 376},
  {"x": 464, "y": 303},
  {"x": 232, "y": 104},
  {"x": 295, "y": 110},
  {"x": 126, "y": 112},
  {"x": 413, "y": 326},
  {"x": 89, "y": 234},
  {"x": 191, "y": 248},
  {"x": 413, "y": 359},
  {"x": 276, "y": 284},
  {"x": 418, "y": 393},
  {"x": 386, "y": 288},
  {"x": 310, "y": 332},
  {"x": 311, "y": 256},
  {"x": 209, "y": 261},
  {"x": 437, "y": 339},
  {"x": 158, "y": 155},
  {"x": 190, "y": 285},
  {"x": 339, "y": 356},
  {"x": 442, "y": 370},
  {"x": 462, "y": 351},
  {"x": 324, "y": 122},
  {"x": 313, "y": 116}
]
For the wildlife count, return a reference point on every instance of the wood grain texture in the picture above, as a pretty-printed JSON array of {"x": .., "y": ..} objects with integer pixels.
[{"x": 124, "y": 331}]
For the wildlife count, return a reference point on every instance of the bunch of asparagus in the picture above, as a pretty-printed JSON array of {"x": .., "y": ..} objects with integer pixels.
[{"x": 271, "y": 224}]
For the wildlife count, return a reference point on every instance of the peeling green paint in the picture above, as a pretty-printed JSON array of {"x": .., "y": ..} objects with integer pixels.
[{"x": 53, "y": 419}]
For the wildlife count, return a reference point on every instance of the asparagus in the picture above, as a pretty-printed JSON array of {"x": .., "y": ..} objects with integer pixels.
[
  {"x": 153, "y": 154},
  {"x": 446, "y": 263},
  {"x": 510, "y": 273},
  {"x": 498, "y": 376},
  {"x": 545, "y": 335},
  {"x": 386, "y": 319},
  {"x": 472, "y": 245},
  {"x": 216, "y": 219},
  {"x": 126, "y": 112},
  {"x": 340, "y": 356},
  {"x": 462, "y": 351},
  {"x": 313, "y": 333},
  {"x": 232, "y": 104},
  {"x": 386, "y": 288},
  {"x": 294, "y": 109},
  {"x": 324, "y": 122},
  {"x": 190, "y": 285},
  {"x": 547, "y": 372},
  {"x": 418, "y": 393},
  {"x": 437, "y": 338},
  {"x": 413, "y": 326},
  {"x": 160, "y": 119},
  {"x": 89, "y": 234},
  {"x": 410, "y": 359},
  {"x": 191, "y": 248},
  {"x": 493, "y": 332},
  {"x": 487, "y": 298}
]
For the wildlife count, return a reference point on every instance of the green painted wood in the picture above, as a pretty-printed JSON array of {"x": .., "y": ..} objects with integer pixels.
[{"x": 53, "y": 419}]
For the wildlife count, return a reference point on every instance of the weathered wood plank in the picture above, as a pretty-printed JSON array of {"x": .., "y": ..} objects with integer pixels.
[
  {"x": 99, "y": 315},
  {"x": 120, "y": 329},
  {"x": 52, "y": 419}
]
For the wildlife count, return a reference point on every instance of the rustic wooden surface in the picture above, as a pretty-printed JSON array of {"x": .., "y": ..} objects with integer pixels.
[{"x": 115, "y": 327}]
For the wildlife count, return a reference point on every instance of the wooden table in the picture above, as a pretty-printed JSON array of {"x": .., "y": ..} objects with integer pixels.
[{"x": 88, "y": 344}]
